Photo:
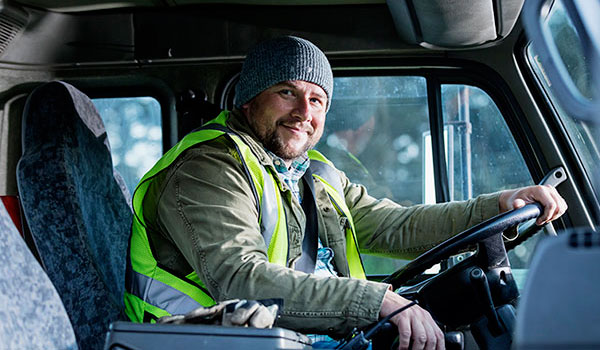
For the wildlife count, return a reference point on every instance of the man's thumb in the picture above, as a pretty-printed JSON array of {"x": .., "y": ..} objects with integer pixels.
[{"x": 518, "y": 203}]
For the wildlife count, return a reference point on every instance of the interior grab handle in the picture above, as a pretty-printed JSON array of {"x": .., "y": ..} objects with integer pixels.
[{"x": 555, "y": 177}]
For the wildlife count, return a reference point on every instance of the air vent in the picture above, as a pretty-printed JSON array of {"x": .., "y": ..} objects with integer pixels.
[
  {"x": 12, "y": 23},
  {"x": 584, "y": 240}
]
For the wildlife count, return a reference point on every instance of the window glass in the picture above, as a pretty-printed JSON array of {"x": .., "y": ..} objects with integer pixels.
[
  {"x": 483, "y": 156},
  {"x": 374, "y": 133},
  {"x": 133, "y": 126},
  {"x": 583, "y": 135},
  {"x": 570, "y": 48}
]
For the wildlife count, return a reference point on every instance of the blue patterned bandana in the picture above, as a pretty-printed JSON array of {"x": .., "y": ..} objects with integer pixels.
[{"x": 291, "y": 176}]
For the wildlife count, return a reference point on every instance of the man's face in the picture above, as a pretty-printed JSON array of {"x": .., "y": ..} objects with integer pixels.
[{"x": 288, "y": 118}]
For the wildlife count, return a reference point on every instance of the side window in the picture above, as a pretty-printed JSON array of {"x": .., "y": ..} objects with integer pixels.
[
  {"x": 568, "y": 44},
  {"x": 583, "y": 135},
  {"x": 133, "y": 125}
]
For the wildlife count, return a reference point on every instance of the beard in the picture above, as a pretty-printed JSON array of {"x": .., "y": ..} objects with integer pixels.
[{"x": 272, "y": 140}]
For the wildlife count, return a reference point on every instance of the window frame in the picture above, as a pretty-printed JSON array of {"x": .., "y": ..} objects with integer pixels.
[{"x": 539, "y": 149}]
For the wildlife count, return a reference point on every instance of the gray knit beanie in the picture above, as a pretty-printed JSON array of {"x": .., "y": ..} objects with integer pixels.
[{"x": 281, "y": 59}]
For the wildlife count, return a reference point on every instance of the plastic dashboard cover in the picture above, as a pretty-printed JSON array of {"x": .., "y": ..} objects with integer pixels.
[{"x": 560, "y": 307}]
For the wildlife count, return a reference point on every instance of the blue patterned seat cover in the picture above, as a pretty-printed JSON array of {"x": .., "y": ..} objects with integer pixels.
[{"x": 76, "y": 207}]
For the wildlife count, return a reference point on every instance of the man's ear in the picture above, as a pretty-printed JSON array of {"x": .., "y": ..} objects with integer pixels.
[{"x": 244, "y": 108}]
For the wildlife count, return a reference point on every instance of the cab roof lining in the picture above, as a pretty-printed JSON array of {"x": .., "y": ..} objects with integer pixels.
[
  {"x": 93, "y": 5},
  {"x": 359, "y": 26}
]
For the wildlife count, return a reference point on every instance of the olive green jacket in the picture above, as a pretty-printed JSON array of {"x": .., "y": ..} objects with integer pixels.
[{"x": 202, "y": 215}]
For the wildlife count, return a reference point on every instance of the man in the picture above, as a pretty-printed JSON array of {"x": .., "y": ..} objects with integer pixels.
[{"x": 223, "y": 214}]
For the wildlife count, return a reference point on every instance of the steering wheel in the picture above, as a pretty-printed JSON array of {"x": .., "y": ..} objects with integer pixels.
[{"x": 475, "y": 293}]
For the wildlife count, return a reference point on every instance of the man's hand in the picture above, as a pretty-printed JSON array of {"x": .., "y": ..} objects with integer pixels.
[
  {"x": 413, "y": 324},
  {"x": 554, "y": 205},
  {"x": 250, "y": 313},
  {"x": 232, "y": 312}
]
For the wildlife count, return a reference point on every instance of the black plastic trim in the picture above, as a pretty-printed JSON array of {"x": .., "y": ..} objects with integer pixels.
[
  {"x": 415, "y": 21},
  {"x": 436, "y": 125}
]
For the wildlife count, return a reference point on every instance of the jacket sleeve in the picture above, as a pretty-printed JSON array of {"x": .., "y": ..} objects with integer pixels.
[
  {"x": 389, "y": 229},
  {"x": 208, "y": 210}
]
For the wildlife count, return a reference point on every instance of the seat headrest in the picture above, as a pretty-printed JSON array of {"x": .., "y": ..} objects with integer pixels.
[{"x": 58, "y": 106}]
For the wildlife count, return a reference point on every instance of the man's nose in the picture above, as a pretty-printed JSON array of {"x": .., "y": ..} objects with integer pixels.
[{"x": 302, "y": 109}]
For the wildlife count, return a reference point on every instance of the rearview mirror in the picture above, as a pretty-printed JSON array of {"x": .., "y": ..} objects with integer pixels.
[{"x": 572, "y": 70}]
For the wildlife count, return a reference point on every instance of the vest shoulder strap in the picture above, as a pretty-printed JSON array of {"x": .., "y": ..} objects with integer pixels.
[
  {"x": 228, "y": 132},
  {"x": 322, "y": 167}
]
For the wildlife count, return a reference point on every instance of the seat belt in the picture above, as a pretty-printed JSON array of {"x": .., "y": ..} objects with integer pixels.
[{"x": 310, "y": 244}]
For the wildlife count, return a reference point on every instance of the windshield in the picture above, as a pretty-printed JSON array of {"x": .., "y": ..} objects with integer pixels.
[{"x": 583, "y": 135}]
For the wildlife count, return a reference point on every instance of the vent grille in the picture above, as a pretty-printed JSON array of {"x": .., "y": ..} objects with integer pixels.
[
  {"x": 10, "y": 26},
  {"x": 584, "y": 240}
]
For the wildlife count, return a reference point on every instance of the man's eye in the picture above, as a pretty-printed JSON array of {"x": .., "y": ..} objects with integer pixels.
[
  {"x": 286, "y": 92},
  {"x": 316, "y": 100}
]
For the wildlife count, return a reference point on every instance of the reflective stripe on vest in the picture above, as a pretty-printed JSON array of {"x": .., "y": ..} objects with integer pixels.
[
  {"x": 158, "y": 292},
  {"x": 162, "y": 295}
]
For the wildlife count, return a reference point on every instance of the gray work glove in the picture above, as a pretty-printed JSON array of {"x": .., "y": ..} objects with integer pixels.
[
  {"x": 235, "y": 312},
  {"x": 204, "y": 315},
  {"x": 250, "y": 313}
]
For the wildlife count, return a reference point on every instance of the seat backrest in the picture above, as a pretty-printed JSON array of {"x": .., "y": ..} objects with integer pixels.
[
  {"x": 32, "y": 314},
  {"x": 76, "y": 207}
]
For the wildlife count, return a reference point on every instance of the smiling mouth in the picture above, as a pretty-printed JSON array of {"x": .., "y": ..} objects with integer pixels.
[
  {"x": 296, "y": 128},
  {"x": 293, "y": 128}
]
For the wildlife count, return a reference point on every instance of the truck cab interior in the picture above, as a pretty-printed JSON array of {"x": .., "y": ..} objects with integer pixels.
[{"x": 433, "y": 101}]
